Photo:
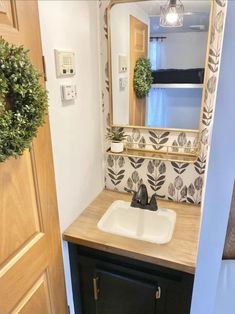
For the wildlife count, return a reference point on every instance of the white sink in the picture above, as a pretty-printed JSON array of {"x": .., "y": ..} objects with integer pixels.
[{"x": 152, "y": 226}]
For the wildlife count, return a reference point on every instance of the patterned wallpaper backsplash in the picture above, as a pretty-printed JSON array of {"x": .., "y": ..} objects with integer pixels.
[{"x": 181, "y": 182}]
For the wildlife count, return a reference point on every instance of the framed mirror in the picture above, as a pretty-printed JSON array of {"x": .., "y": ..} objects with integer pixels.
[{"x": 177, "y": 54}]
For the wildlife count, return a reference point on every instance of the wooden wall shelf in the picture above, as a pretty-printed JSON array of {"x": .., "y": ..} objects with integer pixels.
[
  {"x": 156, "y": 155},
  {"x": 177, "y": 85}
]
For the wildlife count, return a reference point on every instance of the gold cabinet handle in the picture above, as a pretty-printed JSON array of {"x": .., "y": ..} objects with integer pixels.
[
  {"x": 95, "y": 288},
  {"x": 158, "y": 293}
]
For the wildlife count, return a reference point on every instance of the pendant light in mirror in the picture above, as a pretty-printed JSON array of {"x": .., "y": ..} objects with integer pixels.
[{"x": 172, "y": 14}]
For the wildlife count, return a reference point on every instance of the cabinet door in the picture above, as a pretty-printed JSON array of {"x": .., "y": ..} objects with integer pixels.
[
  {"x": 117, "y": 293},
  {"x": 110, "y": 284}
]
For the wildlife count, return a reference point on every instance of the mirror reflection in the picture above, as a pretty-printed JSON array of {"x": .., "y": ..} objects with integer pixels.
[{"x": 173, "y": 35}]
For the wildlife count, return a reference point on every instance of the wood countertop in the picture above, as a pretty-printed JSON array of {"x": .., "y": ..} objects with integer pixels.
[{"x": 180, "y": 253}]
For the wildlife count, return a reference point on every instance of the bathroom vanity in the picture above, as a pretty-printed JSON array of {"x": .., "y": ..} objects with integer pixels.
[
  {"x": 166, "y": 148},
  {"x": 112, "y": 274}
]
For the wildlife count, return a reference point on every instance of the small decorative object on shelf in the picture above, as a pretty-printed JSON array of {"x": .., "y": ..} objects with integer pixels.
[
  {"x": 142, "y": 77},
  {"x": 23, "y": 101},
  {"x": 116, "y": 136}
]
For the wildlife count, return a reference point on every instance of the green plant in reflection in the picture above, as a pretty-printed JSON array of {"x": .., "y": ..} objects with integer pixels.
[{"x": 142, "y": 77}]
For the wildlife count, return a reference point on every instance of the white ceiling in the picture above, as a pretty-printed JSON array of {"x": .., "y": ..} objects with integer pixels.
[
  {"x": 196, "y": 13},
  {"x": 194, "y": 22},
  {"x": 153, "y": 7}
]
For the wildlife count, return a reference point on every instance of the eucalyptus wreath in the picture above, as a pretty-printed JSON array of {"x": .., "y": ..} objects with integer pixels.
[
  {"x": 142, "y": 77},
  {"x": 23, "y": 101}
]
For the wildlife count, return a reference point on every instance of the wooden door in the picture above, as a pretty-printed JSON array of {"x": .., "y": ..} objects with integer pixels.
[
  {"x": 31, "y": 267},
  {"x": 138, "y": 49}
]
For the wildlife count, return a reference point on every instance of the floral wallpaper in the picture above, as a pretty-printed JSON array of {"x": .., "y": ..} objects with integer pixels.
[{"x": 176, "y": 181}]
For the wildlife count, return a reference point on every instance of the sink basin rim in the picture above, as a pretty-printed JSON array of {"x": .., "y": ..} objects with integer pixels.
[{"x": 168, "y": 215}]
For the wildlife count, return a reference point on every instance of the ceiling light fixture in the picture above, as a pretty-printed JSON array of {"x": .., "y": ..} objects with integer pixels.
[{"x": 172, "y": 14}]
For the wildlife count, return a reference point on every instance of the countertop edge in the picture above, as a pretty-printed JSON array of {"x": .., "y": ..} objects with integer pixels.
[{"x": 134, "y": 255}]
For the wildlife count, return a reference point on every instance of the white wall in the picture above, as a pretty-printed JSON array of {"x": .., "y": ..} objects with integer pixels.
[
  {"x": 220, "y": 180},
  {"x": 120, "y": 32},
  {"x": 75, "y": 128},
  {"x": 183, "y": 50}
]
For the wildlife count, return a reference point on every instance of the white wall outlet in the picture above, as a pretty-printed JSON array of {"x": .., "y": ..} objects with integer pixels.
[
  {"x": 123, "y": 63},
  {"x": 123, "y": 83},
  {"x": 65, "y": 63},
  {"x": 68, "y": 92}
]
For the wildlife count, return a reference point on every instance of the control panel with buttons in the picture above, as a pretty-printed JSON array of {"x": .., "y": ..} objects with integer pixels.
[
  {"x": 65, "y": 63},
  {"x": 123, "y": 63}
]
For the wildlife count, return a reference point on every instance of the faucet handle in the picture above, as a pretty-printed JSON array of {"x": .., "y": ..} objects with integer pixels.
[
  {"x": 133, "y": 201},
  {"x": 153, "y": 202},
  {"x": 130, "y": 191}
]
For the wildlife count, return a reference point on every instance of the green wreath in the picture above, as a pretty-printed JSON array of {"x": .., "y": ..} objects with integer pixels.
[
  {"x": 142, "y": 77},
  {"x": 23, "y": 101}
]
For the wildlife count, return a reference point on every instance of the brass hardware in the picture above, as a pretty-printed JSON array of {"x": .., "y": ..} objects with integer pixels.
[
  {"x": 166, "y": 149},
  {"x": 172, "y": 152},
  {"x": 128, "y": 126},
  {"x": 167, "y": 152},
  {"x": 153, "y": 155},
  {"x": 158, "y": 293},
  {"x": 95, "y": 288}
]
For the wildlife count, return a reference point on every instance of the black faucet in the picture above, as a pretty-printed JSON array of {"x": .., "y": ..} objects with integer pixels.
[{"x": 140, "y": 199}]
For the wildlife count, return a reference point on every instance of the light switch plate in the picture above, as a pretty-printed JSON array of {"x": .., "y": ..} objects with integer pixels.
[
  {"x": 65, "y": 63},
  {"x": 123, "y": 81},
  {"x": 68, "y": 92}
]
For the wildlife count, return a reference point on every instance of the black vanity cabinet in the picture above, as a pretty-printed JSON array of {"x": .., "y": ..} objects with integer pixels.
[
  {"x": 105, "y": 283},
  {"x": 118, "y": 293}
]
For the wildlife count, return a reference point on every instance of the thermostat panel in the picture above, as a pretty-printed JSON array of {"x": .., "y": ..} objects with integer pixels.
[{"x": 65, "y": 63}]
